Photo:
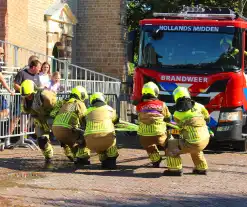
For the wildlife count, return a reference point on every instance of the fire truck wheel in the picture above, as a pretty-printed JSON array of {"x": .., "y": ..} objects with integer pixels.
[
  {"x": 212, "y": 145},
  {"x": 240, "y": 146}
]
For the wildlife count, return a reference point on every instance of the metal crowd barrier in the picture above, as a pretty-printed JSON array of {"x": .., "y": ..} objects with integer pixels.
[
  {"x": 106, "y": 87},
  {"x": 14, "y": 124},
  {"x": 17, "y": 56}
]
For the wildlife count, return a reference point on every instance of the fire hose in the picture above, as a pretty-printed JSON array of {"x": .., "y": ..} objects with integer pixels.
[{"x": 127, "y": 126}]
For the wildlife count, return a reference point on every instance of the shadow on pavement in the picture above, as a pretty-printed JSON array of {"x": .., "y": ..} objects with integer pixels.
[
  {"x": 106, "y": 198},
  {"x": 124, "y": 167},
  {"x": 125, "y": 171}
]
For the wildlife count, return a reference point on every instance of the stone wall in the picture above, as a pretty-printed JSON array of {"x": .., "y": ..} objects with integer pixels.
[
  {"x": 3, "y": 14},
  {"x": 24, "y": 26},
  {"x": 100, "y": 36}
]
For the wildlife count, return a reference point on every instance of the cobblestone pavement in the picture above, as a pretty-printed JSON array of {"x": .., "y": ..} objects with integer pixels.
[{"x": 25, "y": 182}]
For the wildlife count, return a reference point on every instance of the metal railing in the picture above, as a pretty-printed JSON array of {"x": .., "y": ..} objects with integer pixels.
[
  {"x": 17, "y": 57},
  {"x": 106, "y": 87}
]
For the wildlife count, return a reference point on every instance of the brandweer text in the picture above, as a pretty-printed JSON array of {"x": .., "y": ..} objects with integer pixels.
[{"x": 184, "y": 79}]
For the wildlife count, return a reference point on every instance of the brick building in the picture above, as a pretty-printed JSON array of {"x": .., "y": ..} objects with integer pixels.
[
  {"x": 46, "y": 26},
  {"x": 43, "y": 26},
  {"x": 100, "y": 36}
]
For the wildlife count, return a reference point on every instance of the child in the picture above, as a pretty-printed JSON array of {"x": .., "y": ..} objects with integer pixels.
[
  {"x": 54, "y": 84},
  {"x": 44, "y": 75}
]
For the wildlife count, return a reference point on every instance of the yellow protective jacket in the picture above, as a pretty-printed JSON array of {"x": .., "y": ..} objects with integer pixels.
[
  {"x": 71, "y": 114},
  {"x": 40, "y": 107},
  {"x": 151, "y": 115},
  {"x": 193, "y": 124},
  {"x": 100, "y": 119}
]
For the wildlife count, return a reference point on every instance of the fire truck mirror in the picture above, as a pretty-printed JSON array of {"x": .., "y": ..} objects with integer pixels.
[
  {"x": 157, "y": 34},
  {"x": 245, "y": 53},
  {"x": 131, "y": 45}
]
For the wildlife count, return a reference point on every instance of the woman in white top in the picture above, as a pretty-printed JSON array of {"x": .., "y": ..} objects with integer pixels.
[{"x": 45, "y": 75}]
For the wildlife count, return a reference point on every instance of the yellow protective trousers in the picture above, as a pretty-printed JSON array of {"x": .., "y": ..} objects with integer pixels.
[
  {"x": 66, "y": 136},
  {"x": 176, "y": 147},
  {"x": 45, "y": 146},
  {"x": 83, "y": 152},
  {"x": 104, "y": 144},
  {"x": 42, "y": 128},
  {"x": 71, "y": 138},
  {"x": 48, "y": 151},
  {"x": 149, "y": 143}
]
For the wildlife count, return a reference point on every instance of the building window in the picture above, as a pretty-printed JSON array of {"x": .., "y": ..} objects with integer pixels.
[{"x": 68, "y": 43}]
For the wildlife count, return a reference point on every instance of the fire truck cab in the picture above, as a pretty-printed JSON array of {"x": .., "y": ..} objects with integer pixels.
[{"x": 202, "y": 49}]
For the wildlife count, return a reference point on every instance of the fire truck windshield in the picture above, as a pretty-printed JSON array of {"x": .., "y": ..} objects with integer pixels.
[{"x": 196, "y": 52}]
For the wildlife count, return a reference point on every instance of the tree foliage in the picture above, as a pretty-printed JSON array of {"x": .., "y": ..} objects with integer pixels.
[{"x": 140, "y": 9}]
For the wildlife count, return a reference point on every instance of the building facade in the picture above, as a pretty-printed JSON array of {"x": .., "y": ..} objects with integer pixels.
[
  {"x": 100, "y": 36},
  {"x": 43, "y": 26},
  {"x": 88, "y": 33}
]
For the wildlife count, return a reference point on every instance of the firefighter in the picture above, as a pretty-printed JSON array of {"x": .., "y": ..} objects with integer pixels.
[
  {"x": 191, "y": 117},
  {"x": 39, "y": 104},
  {"x": 152, "y": 114},
  {"x": 100, "y": 132},
  {"x": 228, "y": 49},
  {"x": 68, "y": 123}
]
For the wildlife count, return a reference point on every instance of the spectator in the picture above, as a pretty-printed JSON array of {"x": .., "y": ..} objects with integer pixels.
[
  {"x": 29, "y": 72},
  {"x": 54, "y": 84},
  {"x": 4, "y": 115},
  {"x": 44, "y": 75},
  {"x": 31, "y": 58},
  {"x": 3, "y": 82},
  {"x": 4, "y": 108}
]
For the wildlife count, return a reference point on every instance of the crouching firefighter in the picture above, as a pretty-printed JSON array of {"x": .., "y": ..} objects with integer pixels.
[
  {"x": 152, "y": 114},
  {"x": 39, "y": 103},
  {"x": 67, "y": 126},
  {"x": 100, "y": 132},
  {"x": 191, "y": 117}
]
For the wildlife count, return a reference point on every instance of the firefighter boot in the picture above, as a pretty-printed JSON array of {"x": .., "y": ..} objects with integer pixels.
[
  {"x": 173, "y": 173},
  {"x": 109, "y": 161},
  {"x": 68, "y": 153},
  {"x": 157, "y": 164},
  {"x": 46, "y": 148},
  {"x": 109, "y": 164},
  {"x": 82, "y": 156},
  {"x": 174, "y": 165},
  {"x": 200, "y": 172}
]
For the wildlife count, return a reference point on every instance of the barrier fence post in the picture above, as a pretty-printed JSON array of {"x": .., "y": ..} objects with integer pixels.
[
  {"x": 66, "y": 75},
  {"x": 22, "y": 142},
  {"x": 16, "y": 55}
]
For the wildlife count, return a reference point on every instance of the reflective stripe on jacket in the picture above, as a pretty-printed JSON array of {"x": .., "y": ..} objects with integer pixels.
[
  {"x": 193, "y": 124},
  {"x": 71, "y": 114},
  {"x": 151, "y": 114},
  {"x": 100, "y": 120}
]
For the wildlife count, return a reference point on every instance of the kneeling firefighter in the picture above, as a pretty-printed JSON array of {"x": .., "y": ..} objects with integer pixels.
[
  {"x": 39, "y": 103},
  {"x": 191, "y": 117},
  {"x": 100, "y": 132},
  {"x": 68, "y": 123},
  {"x": 152, "y": 114}
]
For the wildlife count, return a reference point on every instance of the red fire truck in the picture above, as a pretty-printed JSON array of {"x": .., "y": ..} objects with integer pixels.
[{"x": 202, "y": 49}]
